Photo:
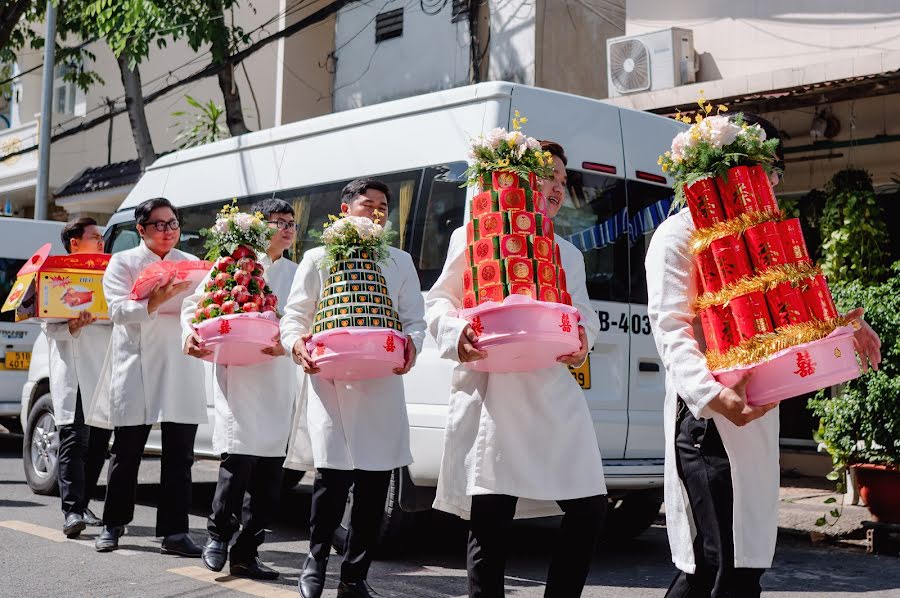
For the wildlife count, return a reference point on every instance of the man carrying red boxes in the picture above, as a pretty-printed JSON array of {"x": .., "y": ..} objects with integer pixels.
[{"x": 722, "y": 468}]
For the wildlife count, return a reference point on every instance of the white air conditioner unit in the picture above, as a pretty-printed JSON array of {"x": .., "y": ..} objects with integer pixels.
[{"x": 650, "y": 61}]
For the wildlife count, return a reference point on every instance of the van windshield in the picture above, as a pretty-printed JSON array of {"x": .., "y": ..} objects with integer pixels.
[{"x": 8, "y": 270}]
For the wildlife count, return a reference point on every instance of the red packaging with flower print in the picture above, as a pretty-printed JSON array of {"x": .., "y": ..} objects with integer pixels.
[
  {"x": 548, "y": 293},
  {"x": 764, "y": 246},
  {"x": 751, "y": 315},
  {"x": 512, "y": 199},
  {"x": 786, "y": 305},
  {"x": 731, "y": 259},
  {"x": 704, "y": 203},
  {"x": 817, "y": 297},
  {"x": 490, "y": 225},
  {"x": 762, "y": 187},
  {"x": 737, "y": 192},
  {"x": 483, "y": 203}
]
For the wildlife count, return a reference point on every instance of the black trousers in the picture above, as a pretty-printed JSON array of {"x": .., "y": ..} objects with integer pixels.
[
  {"x": 246, "y": 497},
  {"x": 486, "y": 558},
  {"x": 329, "y": 500},
  {"x": 175, "y": 479},
  {"x": 706, "y": 472},
  {"x": 82, "y": 451}
]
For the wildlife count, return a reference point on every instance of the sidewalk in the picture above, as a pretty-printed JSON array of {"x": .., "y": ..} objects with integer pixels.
[{"x": 802, "y": 502}]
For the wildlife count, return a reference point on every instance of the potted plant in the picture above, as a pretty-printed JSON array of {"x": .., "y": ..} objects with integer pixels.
[{"x": 860, "y": 426}]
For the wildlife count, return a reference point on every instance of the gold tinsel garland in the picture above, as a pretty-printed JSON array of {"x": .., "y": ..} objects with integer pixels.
[
  {"x": 765, "y": 281},
  {"x": 702, "y": 238},
  {"x": 758, "y": 348}
]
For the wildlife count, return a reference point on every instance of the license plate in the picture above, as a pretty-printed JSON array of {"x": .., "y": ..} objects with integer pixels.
[
  {"x": 18, "y": 360},
  {"x": 582, "y": 374}
]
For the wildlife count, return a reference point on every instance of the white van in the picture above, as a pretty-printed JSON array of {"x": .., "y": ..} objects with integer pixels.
[
  {"x": 20, "y": 238},
  {"x": 418, "y": 146}
]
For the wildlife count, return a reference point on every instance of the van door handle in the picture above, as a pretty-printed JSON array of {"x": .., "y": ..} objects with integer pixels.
[{"x": 648, "y": 366}]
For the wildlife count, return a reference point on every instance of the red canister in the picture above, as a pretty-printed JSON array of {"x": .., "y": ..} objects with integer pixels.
[
  {"x": 762, "y": 187},
  {"x": 792, "y": 240},
  {"x": 718, "y": 328},
  {"x": 751, "y": 316},
  {"x": 737, "y": 192},
  {"x": 710, "y": 281},
  {"x": 817, "y": 297},
  {"x": 731, "y": 259},
  {"x": 764, "y": 245},
  {"x": 786, "y": 305},
  {"x": 703, "y": 201}
]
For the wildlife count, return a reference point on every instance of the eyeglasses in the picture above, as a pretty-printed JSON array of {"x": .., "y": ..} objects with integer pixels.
[
  {"x": 161, "y": 225},
  {"x": 284, "y": 224}
]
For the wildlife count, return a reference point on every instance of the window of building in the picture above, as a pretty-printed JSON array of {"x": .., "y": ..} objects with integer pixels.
[
  {"x": 388, "y": 25},
  {"x": 67, "y": 97}
]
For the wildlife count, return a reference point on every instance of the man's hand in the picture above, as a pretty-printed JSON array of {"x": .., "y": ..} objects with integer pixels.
[
  {"x": 277, "y": 349},
  {"x": 409, "y": 357},
  {"x": 301, "y": 356},
  {"x": 163, "y": 292},
  {"x": 577, "y": 358},
  {"x": 865, "y": 340},
  {"x": 466, "y": 348},
  {"x": 83, "y": 319},
  {"x": 732, "y": 403},
  {"x": 193, "y": 346}
]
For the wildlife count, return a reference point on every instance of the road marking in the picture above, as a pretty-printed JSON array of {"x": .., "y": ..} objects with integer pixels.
[
  {"x": 55, "y": 535},
  {"x": 238, "y": 584}
]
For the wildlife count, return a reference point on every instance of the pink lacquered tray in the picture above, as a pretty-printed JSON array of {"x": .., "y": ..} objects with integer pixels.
[
  {"x": 357, "y": 353},
  {"x": 238, "y": 339}
]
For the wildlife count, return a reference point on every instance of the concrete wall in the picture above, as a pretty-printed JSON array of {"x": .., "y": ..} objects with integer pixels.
[
  {"x": 308, "y": 70},
  {"x": 432, "y": 54},
  {"x": 741, "y": 38}
]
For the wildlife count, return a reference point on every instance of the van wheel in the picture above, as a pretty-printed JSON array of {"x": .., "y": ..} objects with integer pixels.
[
  {"x": 40, "y": 448},
  {"x": 631, "y": 515},
  {"x": 395, "y": 523}
]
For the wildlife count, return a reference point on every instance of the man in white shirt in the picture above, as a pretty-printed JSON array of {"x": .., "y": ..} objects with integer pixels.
[
  {"x": 76, "y": 357},
  {"x": 253, "y": 404},
  {"x": 353, "y": 432}
]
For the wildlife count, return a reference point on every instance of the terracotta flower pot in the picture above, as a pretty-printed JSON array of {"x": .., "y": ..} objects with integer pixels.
[{"x": 879, "y": 487}]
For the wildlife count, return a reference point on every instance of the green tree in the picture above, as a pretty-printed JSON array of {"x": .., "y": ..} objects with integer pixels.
[{"x": 202, "y": 126}]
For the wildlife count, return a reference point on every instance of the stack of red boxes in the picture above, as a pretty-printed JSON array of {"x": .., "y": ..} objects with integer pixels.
[
  {"x": 766, "y": 244},
  {"x": 511, "y": 248}
]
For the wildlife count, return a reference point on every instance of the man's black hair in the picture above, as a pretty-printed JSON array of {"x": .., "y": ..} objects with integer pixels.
[
  {"x": 272, "y": 206},
  {"x": 771, "y": 133},
  {"x": 75, "y": 230},
  {"x": 356, "y": 188},
  {"x": 143, "y": 210}
]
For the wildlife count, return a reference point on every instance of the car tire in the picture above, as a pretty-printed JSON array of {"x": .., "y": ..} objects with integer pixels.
[
  {"x": 631, "y": 515},
  {"x": 40, "y": 448},
  {"x": 395, "y": 523}
]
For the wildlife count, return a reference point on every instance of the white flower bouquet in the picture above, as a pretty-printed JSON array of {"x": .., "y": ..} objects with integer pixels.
[
  {"x": 509, "y": 151},
  {"x": 345, "y": 236},
  {"x": 233, "y": 229}
]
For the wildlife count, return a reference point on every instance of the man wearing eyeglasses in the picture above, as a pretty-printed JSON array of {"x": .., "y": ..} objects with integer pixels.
[
  {"x": 254, "y": 404},
  {"x": 146, "y": 381}
]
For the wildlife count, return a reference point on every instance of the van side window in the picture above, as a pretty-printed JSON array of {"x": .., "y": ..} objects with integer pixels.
[
  {"x": 121, "y": 236},
  {"x": 440, "y": 211},
  {"x": 8, "y": 270},
  {"x": 648, "y": 206},
  {"x": 593, "y": 217}
]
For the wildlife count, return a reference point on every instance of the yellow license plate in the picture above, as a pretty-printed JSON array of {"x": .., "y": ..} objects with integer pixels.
[
  {"x": 582, "y": 374},
  {"x": 18, "y": 360}
]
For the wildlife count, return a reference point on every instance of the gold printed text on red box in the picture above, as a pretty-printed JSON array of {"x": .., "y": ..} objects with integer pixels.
[
  {"x": 522, "y": 288},
  {"x": 546, "y": 229},
  {"x": 493, "y": 292},
  {"x": 469, "y": 300},
  {"x": 490, "y": 225},
  {"x": 513, "y": 246},
  {"x": 483, "y": 203},
  {"x": 519, "y": 269},
  {"x": 468, "y": 280},
  {"x": 512, "y": 199},
  {"x": 548, "y": 293},
  {"x": 504, "y": 180},
  {"x": 520, "y": 223},
  {"x": 543, "y": 249},
  {"x": 546, "y": 274}
]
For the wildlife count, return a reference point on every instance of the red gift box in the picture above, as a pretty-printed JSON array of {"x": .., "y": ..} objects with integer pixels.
[
  {"x": 504, "y": 180},
  {"x": 792, "y": 240},
  {"x": 485, "y": 249},
  {"x": 762, "y": 187},
  {"x": 488, "y": 273},
  {"x": 546, "y": 274},
  {"x": 818, "y": 299},
  {"x": 751, "y": 316},
  {"x": 520, "y": 223},
  {"x": 492, "y": 292},
  {"x": 512, "y": 199},
  {"x": 710, "y": 281},
  {"x": 483, "y": 203},
  {"x": 703, "y": 201},
  {"x": 514, "y": 246},
  {"x": 718, "y": 328},
  {"x": 469, "y": 279},
  {"x": 731, "y": 259},
  {"x": 564, "y": 297},
  {"x": 546, "y": 227},
  {"x": 522, "y": 288},
  {"x": 786, "y": 305},
  {"x": 764, "y": 246},
  {"x": 519, "y": 270},
  {"x": 548, "y": 293},
  {"x": 490, "y": 225},
  {"x": 737, "y": 192},
  {"x": 556, "y": 257},
  {"x": 561, "y": 280},
  {"x": 543, "y": 249},
  {"x": 470, "y": 231},
  {"x": 540, "y": 203},
  {"x": 470, "y": 300}
]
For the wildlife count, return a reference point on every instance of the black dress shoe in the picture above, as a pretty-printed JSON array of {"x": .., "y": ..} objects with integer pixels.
[
  {"x": 74, "y": 525},
  {"x": 181, "y": 545},
  {"x": 215, "y": 553},
  {"x": 108, "y": 540},
  {"x": 356, "y": 589},
  {"x": 254, "y": 569},
  {"x": 92, "y": 520},
  {"x": 312, "y": 578}
]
